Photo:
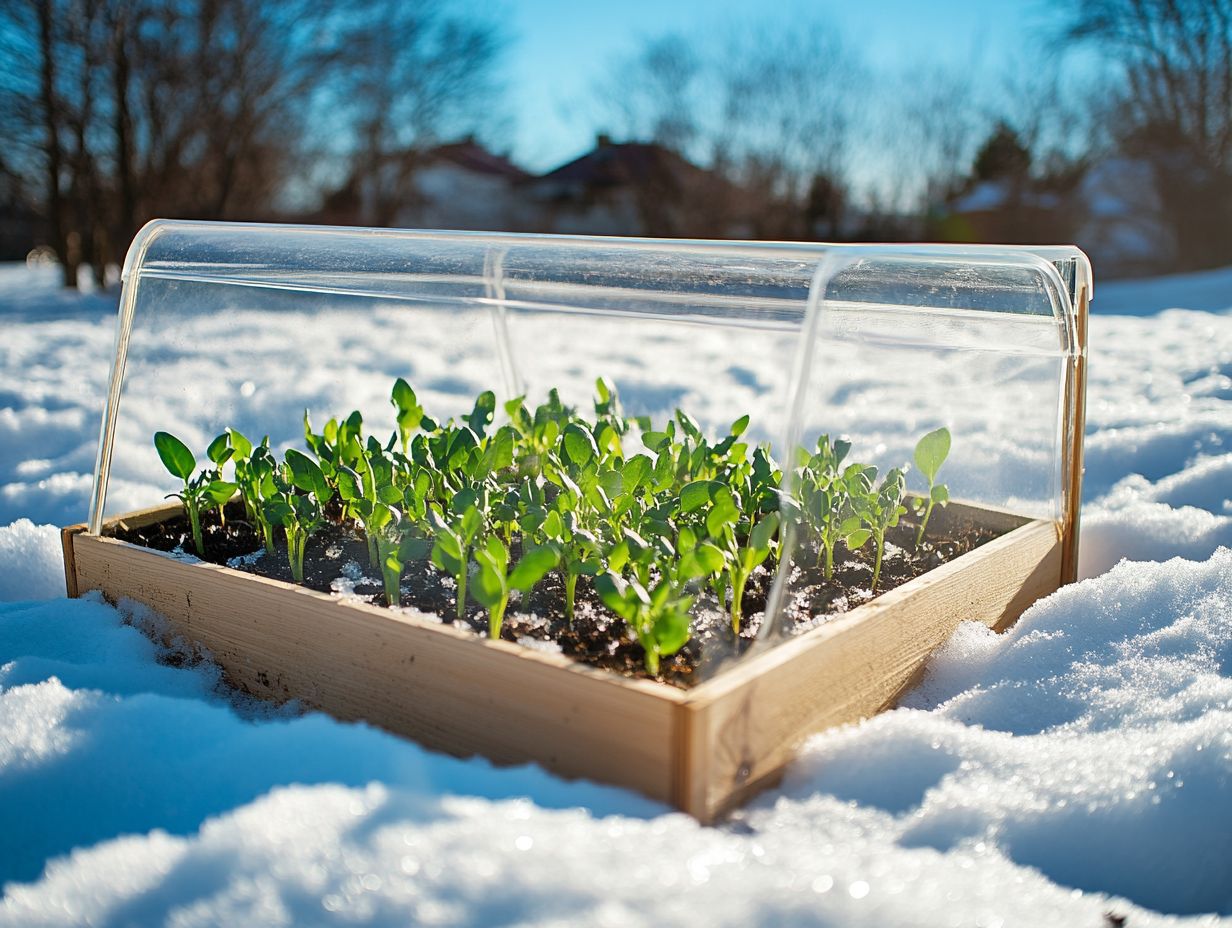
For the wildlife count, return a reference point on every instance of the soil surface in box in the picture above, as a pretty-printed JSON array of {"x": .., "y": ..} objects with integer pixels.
[{"x": 336, "y": 561}]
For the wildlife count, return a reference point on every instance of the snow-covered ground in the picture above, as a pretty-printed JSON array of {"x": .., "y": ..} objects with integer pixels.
[{"x": 1079, "y": 766}]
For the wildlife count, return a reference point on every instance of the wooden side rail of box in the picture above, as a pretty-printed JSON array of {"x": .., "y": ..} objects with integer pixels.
[{"x": 704, "y": 750}]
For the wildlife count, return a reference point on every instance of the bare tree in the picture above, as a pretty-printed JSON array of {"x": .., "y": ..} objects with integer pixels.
[
  {"x": 766, "y": 109},
  {"x": 1174, "y": 107},
  {"x": 409, "y": 73},
  {"x": 658, "y": 93},
  {"x": 120, "y": 110}
]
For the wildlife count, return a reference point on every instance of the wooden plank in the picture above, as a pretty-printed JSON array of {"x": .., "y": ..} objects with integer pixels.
[
  {"x": 748, "y": 721},
  {"x": 152, "y": 515},
  {"x": 443, "y": 687}
]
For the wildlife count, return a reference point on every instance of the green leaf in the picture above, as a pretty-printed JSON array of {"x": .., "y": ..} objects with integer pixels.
[
  {"x": 612, "y": 591},
  {"x": 485, "y": 409},
  {"x": 618, "y": 557},
  {"x": 240, "y": 444},
  {"x": 488, "y": 584},
  {"x": 447, "y": 553},
  {"x": 940, "y": 494},
  {"x": 671, "y": 629},
  {"x": 175, "y": 455},
  {"x": 307, "y": 475},
  {"x": 279, "y": 512},
  {"x": 472, "y": 521},
  {"x": 533, "y": 566},
  {"x": 553, "y": 525},
  {"x": 723, "y": 514},
  {"x": 687, "y": 539},
  {"x": 697, "y": 494},
  {"x": 495, "y": 549},
  {"x": 579, "y": 445},
  {"x": 705, "y": 560},
  {"x": 513, "y": 407},
  {"x": 931, "y": 452},
  {"x": 654, "y": 440},
  {"x": 219, "y": 449},
  {"x": 739, "y": 426},
  {"x": 403, "y": 396},
  {"x": 635, "y": 472},
  {"x": 220, "y": 491},
  {"x": 857, "y": 539},
  {"x": 350, "y": 485},
  {"x": 763, "y": 531}
]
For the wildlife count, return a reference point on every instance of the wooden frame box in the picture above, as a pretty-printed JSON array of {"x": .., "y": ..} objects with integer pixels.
[{"x": 703, "y": 750}]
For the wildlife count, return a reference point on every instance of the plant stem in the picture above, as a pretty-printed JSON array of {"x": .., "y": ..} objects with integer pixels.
[
  {"x": 295, "y": 553},
  {"x": 928, "y": 511},
  {"x": 652, "y": 661},
  {"x": 496, "y": 617},
  {"x": 194, "y": 519},
  {"x": 737, "y": 604},
  {"x": 391, "y": 573},
  {"x": 374, "y": 551},
  {"x": 466, "y": 563},
  {"x": 829, "y": 567},
  {"x": 570, "y": 590},
  {"x": 877, "y": 562}
]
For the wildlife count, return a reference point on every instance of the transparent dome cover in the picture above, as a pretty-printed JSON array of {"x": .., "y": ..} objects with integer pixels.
[{"x": 248, "y": 326}]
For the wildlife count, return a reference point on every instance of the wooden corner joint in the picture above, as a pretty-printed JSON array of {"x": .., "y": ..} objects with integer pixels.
[{"x": 70, "y": 562}]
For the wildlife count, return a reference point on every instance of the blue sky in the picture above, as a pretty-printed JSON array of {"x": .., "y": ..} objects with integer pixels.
[{"x": 559, "y": 48}]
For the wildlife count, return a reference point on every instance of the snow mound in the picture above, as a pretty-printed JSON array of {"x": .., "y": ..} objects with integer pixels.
[{"x": 31, "y": 563}]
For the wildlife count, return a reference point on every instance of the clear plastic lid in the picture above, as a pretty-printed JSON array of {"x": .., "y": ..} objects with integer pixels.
[{"x": 248, "y": 326}]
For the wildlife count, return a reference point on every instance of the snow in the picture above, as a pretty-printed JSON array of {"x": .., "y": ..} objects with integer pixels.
[{"x": 1079, "y": 765}]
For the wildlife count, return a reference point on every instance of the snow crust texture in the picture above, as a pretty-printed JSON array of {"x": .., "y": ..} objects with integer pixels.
[{"x": 1075, "y": 768}]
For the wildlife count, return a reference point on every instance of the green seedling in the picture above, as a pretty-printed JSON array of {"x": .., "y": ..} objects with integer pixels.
[
  {"x": 300, "y": 514},
  {"x": 748, "y": 557},
  {"x": 880, "y": 510},
  {"x": 658, "y": 614},
  {"x": 930, "y": 454},
  {"x": 254, "y": 469},
  {"x": 826, "y": 499},
  {"x": 410, "y": 413},
  {"x": 451, "y": 550},
  {"x": 397, "y": 542},
  {"x": 494, "y": 580},
  {"x": 743, "y": 548},
  {"x": 198, "y": 494},
  {"x": 581, "y": 552}
]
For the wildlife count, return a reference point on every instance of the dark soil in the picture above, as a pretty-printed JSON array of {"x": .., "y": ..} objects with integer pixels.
[{"x": 336, "y": 561}]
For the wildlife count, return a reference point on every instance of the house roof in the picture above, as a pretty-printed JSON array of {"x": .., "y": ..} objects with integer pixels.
[
  {"x": 472, "y": 156},
  {"x": 611, "y": 164}
]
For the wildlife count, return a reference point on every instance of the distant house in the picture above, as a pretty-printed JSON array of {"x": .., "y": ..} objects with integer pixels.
[
  {"x": 1112, "y": 211},
  {"x": 1006, "y": 210},
  {"x": 460, "y": 185},
  {"x": 464, "y": 186},
  {"x": 632, "y": 188},
  {"x": 1123, "y": 229}
]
